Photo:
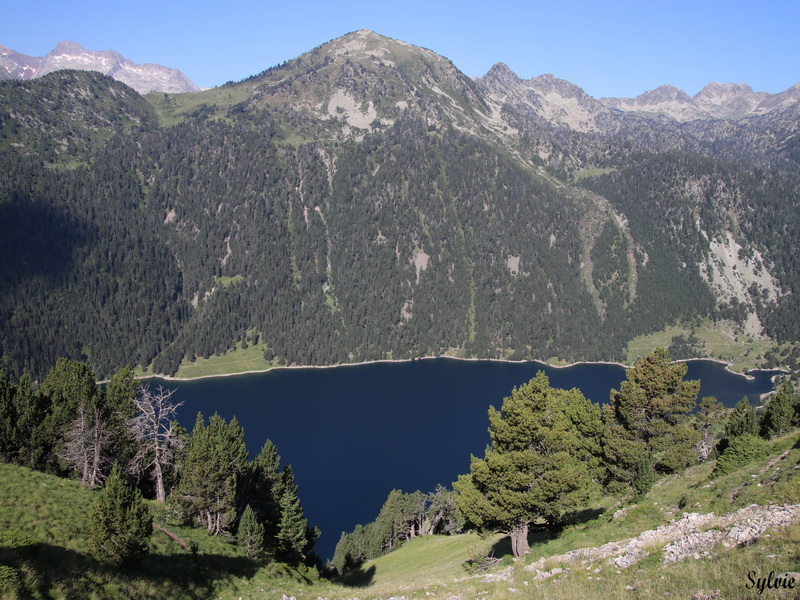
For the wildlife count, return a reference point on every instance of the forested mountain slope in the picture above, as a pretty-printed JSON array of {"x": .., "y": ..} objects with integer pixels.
[{"x": 367, "y": 200}]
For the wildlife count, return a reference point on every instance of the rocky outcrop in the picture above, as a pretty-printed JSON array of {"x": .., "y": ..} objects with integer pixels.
[{"x": 693, "y": 535}]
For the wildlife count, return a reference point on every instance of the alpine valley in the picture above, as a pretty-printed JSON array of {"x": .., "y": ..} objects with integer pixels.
[{"x": 367, "y": 200}]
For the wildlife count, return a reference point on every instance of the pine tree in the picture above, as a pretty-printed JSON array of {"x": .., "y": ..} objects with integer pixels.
[
  {"x": 646, "y": 421},
  {"x": 251, "y": 534},
  {"x": 121, "y": 523},
  {"x": 8, "y": 418},
  {"x": 392, "y": 523},
  {"x": 215, "y": 462},
  {"x": 293, "y": 532},
  {"x": 542, "y": 463},
  {"x": 742, "y": 420},
  {"x": 778, "y": 413},
  {"x": 118, "y": 397},
  {"x": 441, "y": 512},
  {"x": 31, "y": 440},
  {"x": 68, "y": 387},
  {"x": 263, "y": 491}
]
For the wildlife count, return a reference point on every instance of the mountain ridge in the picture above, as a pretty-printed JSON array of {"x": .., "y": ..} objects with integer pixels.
[
  {"x": 716, "y": 101},
  {"x": 71, "y": 55}
]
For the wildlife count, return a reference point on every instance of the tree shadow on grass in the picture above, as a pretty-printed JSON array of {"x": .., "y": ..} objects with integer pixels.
[
  {"x": 195, "y": 570},
  {"x": 46, "y": 570},
  {"x": 539, "y": 534},
  {"x": 502, "y": 547},
  {"x": 583, "y": 516},
  {"x": 358, "y": 577}
]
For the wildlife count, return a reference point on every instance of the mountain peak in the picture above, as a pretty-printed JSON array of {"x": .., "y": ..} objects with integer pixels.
[
  {"x": 71, "y": 55},
  {"x": 67, "y": 47},
  {"x": 716, "y": 90},
  {"x": 550, "y": 82},
  {"x": 547, "y": 97},
  {"x": 663, "y": 93},
  {"x": 364, "y": 80},
  {"x": 715, "y": 101},
  {"x": 365, "y": 43},
  {"x": 500, "y": 74}
]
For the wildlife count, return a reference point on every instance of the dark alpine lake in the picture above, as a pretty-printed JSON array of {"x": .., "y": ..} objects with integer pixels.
[{"x": 353, "y": 433}]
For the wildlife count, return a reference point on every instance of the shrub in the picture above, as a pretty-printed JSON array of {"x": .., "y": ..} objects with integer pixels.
[
  {"x": 644, "y": 478},
  {"x": 741, "y": 450},
  {"x": 121, "y": 523},
  {"x": 742, "y": 420},
  {"x": 778, "y": 413}
]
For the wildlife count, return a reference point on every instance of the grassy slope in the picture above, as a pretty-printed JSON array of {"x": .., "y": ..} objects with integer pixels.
[
  {"x": 430, "y": 568},
  {"x": 173, "y": 108},
  {"x": 54, "y": 512},
  {"x": 720, "y": 341},
  {"x": 238, "y": 360}
]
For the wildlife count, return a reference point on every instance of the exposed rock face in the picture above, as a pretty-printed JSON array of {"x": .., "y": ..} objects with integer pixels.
[
  {"x": 14, "y": 65},
  {"x": 694, "y": 536},
  {"x": 552, "y": 99},
  {"x": 69, "y": 55}
]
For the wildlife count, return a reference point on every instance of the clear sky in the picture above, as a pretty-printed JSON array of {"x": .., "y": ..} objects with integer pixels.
[{"x": 609, "y": 48}]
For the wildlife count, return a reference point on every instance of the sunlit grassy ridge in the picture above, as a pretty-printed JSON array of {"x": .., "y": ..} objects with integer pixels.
[{"x": 174, "y": 108}]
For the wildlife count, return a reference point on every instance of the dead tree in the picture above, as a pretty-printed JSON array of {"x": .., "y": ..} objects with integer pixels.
[
  {"x": 86, "y": 445},
  {"x": 152, "y": 427}
]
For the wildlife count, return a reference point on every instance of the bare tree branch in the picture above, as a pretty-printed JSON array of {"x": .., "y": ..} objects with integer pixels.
[
  {"x": 86, "y": 445},
  {"x": 152, "y": 426}
]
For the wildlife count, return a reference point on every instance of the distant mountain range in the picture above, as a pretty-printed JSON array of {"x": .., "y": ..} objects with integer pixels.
[
  {"x": 715, "y": 101},
  {"x": 554, "y": 99},
  {"x": 368, "y": 200},
  {"x": 69, "y": 55},
  {"x": 561, "y": 102}
]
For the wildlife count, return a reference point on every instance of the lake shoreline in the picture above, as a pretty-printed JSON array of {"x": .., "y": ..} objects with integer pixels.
[{"x": 727, "y": 364}]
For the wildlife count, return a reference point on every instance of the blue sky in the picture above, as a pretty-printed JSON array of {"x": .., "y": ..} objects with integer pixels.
[{"x": 608, "y": 48}]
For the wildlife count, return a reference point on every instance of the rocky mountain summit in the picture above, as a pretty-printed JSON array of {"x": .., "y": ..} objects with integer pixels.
[
  {"x": 546, "y": 98},
  {"x": 560, "y": 102},
  {"x": 70, "y": 55},
  {"x": 715, "y": 101},
  {"x": 364, "y": 81}
]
